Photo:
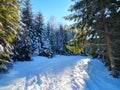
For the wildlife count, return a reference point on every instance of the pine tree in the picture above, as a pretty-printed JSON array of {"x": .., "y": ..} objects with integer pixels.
[
  {"x": 61, "y": 40},
  {"x": 9, "y": 24},
  {"x": 27, "y": 19},
  {"x": 95, "y": 16},
  {"x": 56, "y": 41},
  {"x": 113, "y": 21},
  {"x": 23, "y": 44},
  {"x": 39, "y": 26},
  {"x": 50, "y": 36}
]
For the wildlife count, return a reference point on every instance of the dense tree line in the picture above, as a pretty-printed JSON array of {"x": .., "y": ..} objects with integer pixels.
[
  {"x": 23, "y": 34},
  {"x": 98, "y": 27}
]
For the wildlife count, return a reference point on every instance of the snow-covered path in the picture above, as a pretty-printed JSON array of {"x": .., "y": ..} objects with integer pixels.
[{"x": 59, "y": 73}]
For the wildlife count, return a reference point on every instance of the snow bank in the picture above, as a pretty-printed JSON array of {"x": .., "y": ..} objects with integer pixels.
[{"x": 100, "y": 78}]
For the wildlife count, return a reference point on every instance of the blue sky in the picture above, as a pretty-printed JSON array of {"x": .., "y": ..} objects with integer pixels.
[{"x": 50, "y": 8}]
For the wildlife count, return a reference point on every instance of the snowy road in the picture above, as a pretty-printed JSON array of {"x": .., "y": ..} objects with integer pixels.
[{"x": 59, "y": 73}]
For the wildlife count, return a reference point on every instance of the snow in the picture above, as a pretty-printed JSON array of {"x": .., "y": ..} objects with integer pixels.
[
  {"x": 59, "y": 73},
  {"x": 1, "y": 48},
  {"x": 118, "y": 9}
]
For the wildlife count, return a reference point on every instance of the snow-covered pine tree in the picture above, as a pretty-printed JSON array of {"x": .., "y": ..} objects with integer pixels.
[
  {"x": 40, "y": 36},
  {"x": 40, "y": 28},
  {"x": 50, "y": 36},
  {"x": 27, "y": 19},
  {"x": 46, "y": 39},
  {"x": 21, "y": 46},
  {"x": 61, "y": 40},
  {"x": 56, "y": 40},
  {"x": 24, "y": 43},
  {"x": 94, "y": 15},
  {"x": 9, "y": 24}
]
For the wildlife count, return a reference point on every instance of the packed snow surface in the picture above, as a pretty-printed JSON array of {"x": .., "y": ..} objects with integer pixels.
[{"x": 59, "y": 73}]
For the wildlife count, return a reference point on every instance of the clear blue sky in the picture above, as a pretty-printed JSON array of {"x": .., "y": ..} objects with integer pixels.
[{"x": 56, "y": 8}]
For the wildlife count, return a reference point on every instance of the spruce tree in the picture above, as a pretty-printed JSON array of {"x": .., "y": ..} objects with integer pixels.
[
  {"x": 50, "y": 35},
  {"x": 95, "y": 17},
  {"x": 23, "y": 44},
  {"x": 9, "y": 24},
  {"x": 39, "y": 26},
  {"x": 61, "y": 40}
]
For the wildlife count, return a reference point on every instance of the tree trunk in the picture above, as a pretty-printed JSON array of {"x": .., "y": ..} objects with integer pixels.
[{"x": 107, "y": 37}]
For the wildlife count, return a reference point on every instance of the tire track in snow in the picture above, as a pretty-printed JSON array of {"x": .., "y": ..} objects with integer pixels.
[
  {"x": 78, "y": 75},
  {"x": 32, "y": 82}
]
